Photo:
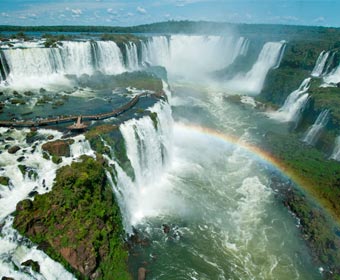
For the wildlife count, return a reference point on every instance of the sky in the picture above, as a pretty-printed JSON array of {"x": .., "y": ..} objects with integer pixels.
[{"x": 135, "y": 12}]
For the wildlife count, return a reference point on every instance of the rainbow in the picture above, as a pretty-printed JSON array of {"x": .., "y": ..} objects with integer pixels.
[{"x": 260, "y": 154}]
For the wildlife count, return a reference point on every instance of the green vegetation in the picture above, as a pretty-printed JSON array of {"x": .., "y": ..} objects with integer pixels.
[
  {"x": 185, "y": 26},
  {"x": 104, "y": 136},
  {"x": 78, "y": 223},
  {"x": 52, "y": 41},
  {"x": 121, "y": 38},
  {"x": 154, "y": 118},
  {"x": 4, "y": 180},
  {"x": 321, "y": 178},
  {"x": 58, "y": 148},
  {"x": 139, "y": 80}
]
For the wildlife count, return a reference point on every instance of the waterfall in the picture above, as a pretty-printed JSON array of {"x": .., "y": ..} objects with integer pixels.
[
  {"x": 320, "y": 64},
  {"x": 148, "y": 144},
  {"x": 333, "y": 77},
  {"x": 292, "y": 108},
  {"x": 131, "y": 56},
  {"x": 156, "y": 51},
  {"x": 244, "y": 46},
  {"x": 252, "y": 82},
  {"x": 192, "y": 55},
  {"x": 336, "y": 151},
  {"x": 315, "y": 130},
  {"x": 71, "y": 58}
]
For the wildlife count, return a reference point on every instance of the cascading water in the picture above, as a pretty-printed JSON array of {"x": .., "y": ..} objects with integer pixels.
[
  {"x": 292, "y": 108},
  {"x": 148, "y": 144},
  {"x": 185, "y": 55},
  {"x": 320, "y": 64},
  {"x": 252, "y": 82},
  {"x": 36, "y": 64},
  {"x": 132, "y": 62},
  {"x": 223, "y": 216},
  {"x": 156, "y": 51},
  {"x": 333, "y": 77},
  {"x": 313, "y": 133},
  {"x": 336, "y": 151}
]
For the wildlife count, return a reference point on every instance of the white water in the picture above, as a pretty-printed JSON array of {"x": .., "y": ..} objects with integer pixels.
[
  {"x": 252, "y": 82},
  {"x": 131, "y": 56},
  {"x": 193, "y": 56},
  {"x": 320, "y": 64},
  {"x": 336, "y": 151},
  {"x": 333, "y": 77},
  {"x": 313, "y": 133},
  {"x": 34, "y": 66},
  {"x": 14, "y": 249},
  {"x": 149, "y": 151},
  {"x": 292, "y": 108}
]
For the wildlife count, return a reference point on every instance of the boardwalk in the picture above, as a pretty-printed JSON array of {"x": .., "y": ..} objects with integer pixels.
[{"x": 68, "y": 119}]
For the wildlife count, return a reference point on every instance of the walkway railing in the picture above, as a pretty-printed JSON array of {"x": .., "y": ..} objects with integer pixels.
[{"x": 67, "y": 119}]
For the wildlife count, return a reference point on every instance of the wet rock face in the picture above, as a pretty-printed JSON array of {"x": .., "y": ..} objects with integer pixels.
[{"x": 58, "y": 148}]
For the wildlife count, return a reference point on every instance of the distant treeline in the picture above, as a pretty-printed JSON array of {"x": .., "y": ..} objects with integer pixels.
[{"x": 202, "y": 27}]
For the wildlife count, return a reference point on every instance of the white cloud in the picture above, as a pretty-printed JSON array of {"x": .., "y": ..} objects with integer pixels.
[
  {"x": 141, "y": 10},
  {"x": 4, "y": 15},
  {"x": 111, "y": 11},
  {"x": 77, "y": 12},
  {"x": 319, "y": 20},
  {"x": 130, "y": 14}
]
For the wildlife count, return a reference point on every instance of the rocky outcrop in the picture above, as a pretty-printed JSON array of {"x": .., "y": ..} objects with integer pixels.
[
  {"x": 78, "y": 223},
  {"x": 58, "y": 148},
  {"x": 13, "y": 149},
  {"x": 33, "y": 264},
  {"x": 141, "y": 273}
]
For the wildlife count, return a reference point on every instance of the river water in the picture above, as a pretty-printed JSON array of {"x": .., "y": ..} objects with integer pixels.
[{"x": 224, "y": 218}]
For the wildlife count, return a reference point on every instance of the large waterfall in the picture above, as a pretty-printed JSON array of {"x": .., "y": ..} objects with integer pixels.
[
  {"x": 185, "y": 55},
  {"x": 313, "y": 133},
  {"x": 292, "y": 108},
  {"x": 148, "y": 144},
  {"x": 320, "y": 64},
  {"x": 252, "y": 82},
  {"x": 182, "y": 55},
  {"x": 71, "y": 58}
]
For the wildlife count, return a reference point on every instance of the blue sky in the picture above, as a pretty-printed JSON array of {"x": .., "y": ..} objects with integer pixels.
[{"x": 133, "y": 12}]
